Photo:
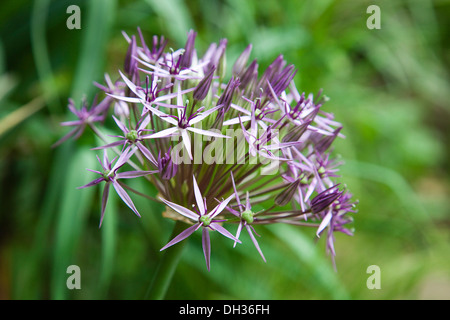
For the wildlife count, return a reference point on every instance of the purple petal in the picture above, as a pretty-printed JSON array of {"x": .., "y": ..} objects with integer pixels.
[
  {"x": 144, "y": 123},
  {"x": 223, "y": 231},
  {"x": 146, "y": 153},
  {"x": 247, "y": 202},
  {"x": 132, "y": 86},
  {"x": 167, "y": 105},
  {"x": 326, "y": 220},
  {"x": 203, "y": 115},
  {"x": 125, "y": 197},
  {"x": 282, "y": 145},
  {"x": 270, "y": 155},
  {"x": 253, "y": 121},
  {"x": 181, "y": 210},
  {"x": 170, "y": 96},
  {"x": 236, "y": 213},
  {"x": 72, "y": 108},
  {"x": 121, "y": 125},
  {"x": 240, "y": 109},
  {"x": 126, "y": 154},
  {"x": 247, "y": 136},
  {"x": 134, "y": 174},
  {"x": 162, "y": 115},
  {"x": 238, "y": 233},
  {"x": 274, "y": 95},
  {"x": 206, "y": 133},
  {"x": 236, "y": 120},
  {"x": 104, "y": 201},
  {"x": 183, "y": 235},
  {"x": 71, "y": 123},
  {"x": 95, "y": 171},
  {"x": 66, "y": 137},
  {"x": 198, "y": 197},
  {"x": 161, "y": 134},
  {"x": 235, "y": 190},
  {"x": 106, "y": 165},
  {"x": 241, "y": 61},
  {"x": 219, "y": 208},
  {"x": 92, "y": 183},
  {"x": 179, "y": 96},
  {"x": 187, "y": 142},
  {"x": 206, "y": 243},
  {"x": 126, "y": 99},
  {"x": 249, "y": 229}
]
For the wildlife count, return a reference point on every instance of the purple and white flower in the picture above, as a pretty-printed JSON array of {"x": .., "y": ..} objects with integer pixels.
[{"x": 166, "y": 101}]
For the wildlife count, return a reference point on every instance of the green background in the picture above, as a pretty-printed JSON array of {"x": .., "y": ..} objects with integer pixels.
[{"x": 388, "y": 87}]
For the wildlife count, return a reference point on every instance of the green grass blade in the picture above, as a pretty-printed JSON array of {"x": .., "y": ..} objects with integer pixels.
[
  {"x": 109, "y": 241},
  {"x": 100, "y": 18},
  {"x": 40, "y": 52},
  {"x": 75, "y": 205}
]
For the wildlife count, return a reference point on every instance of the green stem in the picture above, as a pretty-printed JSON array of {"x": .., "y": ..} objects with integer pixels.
[
  {"x": 41, "y": 55},
  {"x": 166, "y": 267}
]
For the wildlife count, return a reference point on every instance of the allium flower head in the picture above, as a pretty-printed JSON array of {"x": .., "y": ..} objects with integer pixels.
[{"x": 226, "y": 152}]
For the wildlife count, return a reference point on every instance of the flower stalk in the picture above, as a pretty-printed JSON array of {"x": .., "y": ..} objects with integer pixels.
[{"x": 166, "y": 268}]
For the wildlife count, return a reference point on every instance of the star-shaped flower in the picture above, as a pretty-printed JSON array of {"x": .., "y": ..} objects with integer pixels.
[
  {"x": 133, "y": 137},
  {"x": 184, "y": 123},
  {"x": 247, "y": 216},
  {"x": 150, "y": 95},
  {"x": 85, "y": 118},
  {"x": 110, "y": 176},
  {"x": 202, "y": 218},
  {"x": 265, "y": 143},
  {"x": 258, "y": 114}
]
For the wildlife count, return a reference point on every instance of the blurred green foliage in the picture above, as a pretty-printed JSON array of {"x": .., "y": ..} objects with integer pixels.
[{"x": 389, "y": 88}]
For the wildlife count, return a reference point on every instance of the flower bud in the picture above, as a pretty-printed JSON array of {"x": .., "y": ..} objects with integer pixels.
[
  {"x": 296, "y": 133},
  {"x": 130, "y": 65},
  {"x": 325, "y": 198},
  {"x": 281, "y": 80},
  {"x": 217, "y": 57},
  {"x": 202, "y": 88},
  {"x": 227, "y": 96},
  {"x": 186, "y": 58},
  {"x": 325, "y": 142},
  {"x": 249, "y": 77},
  {"x": 166, "y": 167},
  {"x": 286, "y": 195},
  {"x": 247, "y": 216},
  {"x": 220, "y": 59},
  {"x": 241, "y": 62}
]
